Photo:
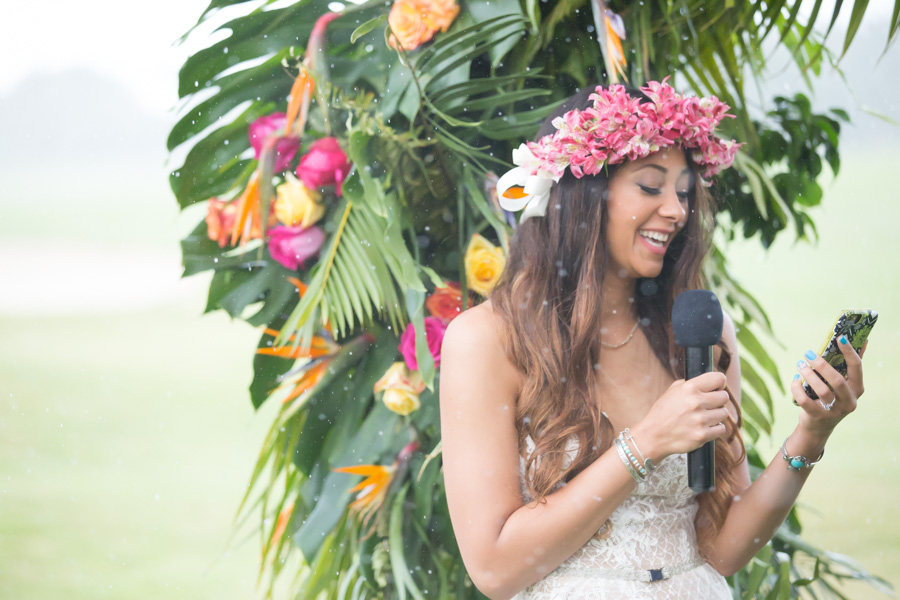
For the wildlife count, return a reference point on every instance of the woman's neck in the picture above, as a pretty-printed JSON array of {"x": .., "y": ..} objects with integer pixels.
[{"x": 619, "y": 310}]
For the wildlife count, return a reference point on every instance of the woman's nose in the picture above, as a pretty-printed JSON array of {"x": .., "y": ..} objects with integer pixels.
[{"x": 672, "y": 208}]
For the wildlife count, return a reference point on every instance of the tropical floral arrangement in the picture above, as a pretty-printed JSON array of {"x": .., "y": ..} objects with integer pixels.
[{"x": 347, "y": 153}]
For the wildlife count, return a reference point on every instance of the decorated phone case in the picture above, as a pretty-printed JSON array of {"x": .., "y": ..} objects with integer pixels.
[{"x": 856, "y": 325}]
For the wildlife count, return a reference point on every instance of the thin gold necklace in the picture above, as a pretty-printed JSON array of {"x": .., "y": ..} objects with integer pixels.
[{"x": 630, "y": 335}]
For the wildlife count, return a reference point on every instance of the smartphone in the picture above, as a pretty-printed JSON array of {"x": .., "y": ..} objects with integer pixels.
[{"x": 856, "y": 325}]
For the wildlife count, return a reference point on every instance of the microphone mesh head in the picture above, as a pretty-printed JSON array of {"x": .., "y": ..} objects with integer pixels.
[{"x": 697, "y": 319}]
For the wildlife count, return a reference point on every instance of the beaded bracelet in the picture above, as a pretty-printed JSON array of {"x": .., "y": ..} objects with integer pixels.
[
  {"x": 634, "y": 474},
  {"x": 648, "y": 464},
  {"x": 634, "y": 461},
  {"x": 795, "y": 463}
]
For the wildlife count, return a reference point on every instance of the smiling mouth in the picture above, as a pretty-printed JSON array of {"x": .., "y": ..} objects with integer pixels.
[{"x": 656, "y": 239}]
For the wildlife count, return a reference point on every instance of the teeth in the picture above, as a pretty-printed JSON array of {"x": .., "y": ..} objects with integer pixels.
[{"x": 655, "y": 235}]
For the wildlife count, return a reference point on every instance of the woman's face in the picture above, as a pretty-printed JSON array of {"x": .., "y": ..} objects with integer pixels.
[{"x": 647, "y": 206}]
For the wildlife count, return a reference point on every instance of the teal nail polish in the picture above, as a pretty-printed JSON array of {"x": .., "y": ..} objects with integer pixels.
[
  {"x": 810, "y": 355},
  {"x": 843, "y": 339},
  {"x": 801, "y": 364},
  {"x": 796, "y": 376}
]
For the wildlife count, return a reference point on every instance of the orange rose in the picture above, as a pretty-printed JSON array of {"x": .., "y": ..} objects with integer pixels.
[
  {"x": 408, "y": 26},
  {"x": 439, "y": 14},
  {"x": 414, "y": 22},
  {"x": 446, "y": 302},
  {"x": 219, "y": 220}
]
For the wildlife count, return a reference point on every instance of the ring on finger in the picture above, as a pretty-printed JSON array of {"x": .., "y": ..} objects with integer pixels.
[{"x": 828, "y": 406}]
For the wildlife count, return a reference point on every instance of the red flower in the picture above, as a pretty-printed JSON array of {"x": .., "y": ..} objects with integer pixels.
[
  {"x": 324, "y": 164},
  {"x": 434, "y": 335},
  {"x": 291, "y": 246},
  {"x": 286, "y": 148},
  {"x": 446, "y": 302}
]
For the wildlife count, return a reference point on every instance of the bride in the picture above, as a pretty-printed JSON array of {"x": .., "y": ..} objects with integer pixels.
[{"x": 565, "y": 421}]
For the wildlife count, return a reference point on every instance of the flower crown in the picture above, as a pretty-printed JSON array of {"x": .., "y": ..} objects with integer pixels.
[{"x": 617, "y": 127}]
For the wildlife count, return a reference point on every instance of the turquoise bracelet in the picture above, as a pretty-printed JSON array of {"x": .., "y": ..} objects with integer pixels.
[
  {"x": 634, "y": 474},
  {"x": 648, "y": 464},
  {"x": 796, "y": 463},
  {"x": 634, "y": 461}
]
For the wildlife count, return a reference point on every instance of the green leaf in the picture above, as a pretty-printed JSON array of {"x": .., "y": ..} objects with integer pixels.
[
  {"x": 856, "y": 15},
  {"x": 199, "y": 253},
  {"x": 415, "y": 307},
  {"x": 751, "y": 378},
  {"x": 759, "y": 353},
  {"x": 213, "y": 167},
  {"x": 397, "y": 546},
  {"x": 258, "y": 34},
  {"x": 334, "y": 495},
  {"x": 266, "y": 371},
  {"x": 258, "y": 288},
  {"x": 367, "y": 27},
  {"x": 267, "y": 80}
]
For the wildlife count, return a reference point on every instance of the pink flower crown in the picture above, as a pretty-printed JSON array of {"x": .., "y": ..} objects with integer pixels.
[{"x": 617, "y": 127}]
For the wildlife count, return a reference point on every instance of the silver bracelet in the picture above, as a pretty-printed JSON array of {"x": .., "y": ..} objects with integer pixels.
[
  {"x": 634, "y": 474},
  {"x": 634, "y": 461},
  {"x": 648, "y": 464},
  {"x": 795, "y": 463}
]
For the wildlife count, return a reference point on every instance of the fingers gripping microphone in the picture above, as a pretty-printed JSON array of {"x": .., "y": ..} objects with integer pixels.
[{"x": 697, "y": 325}]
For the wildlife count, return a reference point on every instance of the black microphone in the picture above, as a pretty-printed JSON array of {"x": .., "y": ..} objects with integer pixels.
[{"x": 697, "y": 325}]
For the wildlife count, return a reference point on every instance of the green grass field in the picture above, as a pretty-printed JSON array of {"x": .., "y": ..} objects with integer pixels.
[{"x": 127, "y": 437}]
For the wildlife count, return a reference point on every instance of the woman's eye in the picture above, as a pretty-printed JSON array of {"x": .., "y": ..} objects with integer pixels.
[
  {"x": 683, "y": 196},
  {"x": 648, "y": 189}
]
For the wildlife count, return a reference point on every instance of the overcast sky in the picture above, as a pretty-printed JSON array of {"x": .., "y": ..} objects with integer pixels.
[{"x": 132, "y": 43}]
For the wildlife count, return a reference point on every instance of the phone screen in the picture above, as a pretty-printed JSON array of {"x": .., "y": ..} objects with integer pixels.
[{"x": 856, "y": 325}]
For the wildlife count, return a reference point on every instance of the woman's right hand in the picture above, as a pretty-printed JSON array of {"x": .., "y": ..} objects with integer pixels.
[{"x": 689, "y": 414}]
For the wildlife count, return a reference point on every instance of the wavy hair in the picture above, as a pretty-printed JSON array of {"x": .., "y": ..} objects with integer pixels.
[{"x": 550, "y": 309}]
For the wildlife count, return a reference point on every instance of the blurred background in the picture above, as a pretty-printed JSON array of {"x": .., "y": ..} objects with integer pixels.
[{"x": 126, "y": 431}]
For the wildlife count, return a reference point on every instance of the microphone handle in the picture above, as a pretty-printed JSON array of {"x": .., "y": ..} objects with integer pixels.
[{"x": 702, "y": 461}]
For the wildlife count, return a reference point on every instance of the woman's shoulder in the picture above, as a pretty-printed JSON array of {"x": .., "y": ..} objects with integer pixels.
[{"x": 477, "y": 334}]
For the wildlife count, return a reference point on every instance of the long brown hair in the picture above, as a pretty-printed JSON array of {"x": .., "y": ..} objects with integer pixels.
[{"x": 549, "y": 303}]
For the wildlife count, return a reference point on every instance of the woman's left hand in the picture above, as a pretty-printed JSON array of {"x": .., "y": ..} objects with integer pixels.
[{"x": 822, "y": 415}]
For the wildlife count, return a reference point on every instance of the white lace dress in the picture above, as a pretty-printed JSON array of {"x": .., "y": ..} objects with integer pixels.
[{"x": 653, "y": 528}]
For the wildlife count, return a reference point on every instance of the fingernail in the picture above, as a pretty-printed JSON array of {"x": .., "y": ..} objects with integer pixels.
[
  {"x": 796, "y": 376},
  {"x": 801, "y": 364},
  {"x": 810, "y": 355},
  {"x": 843, "y": 339}
]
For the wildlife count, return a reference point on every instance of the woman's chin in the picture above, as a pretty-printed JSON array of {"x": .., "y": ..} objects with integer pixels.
[{"x": 649, "y": 271}]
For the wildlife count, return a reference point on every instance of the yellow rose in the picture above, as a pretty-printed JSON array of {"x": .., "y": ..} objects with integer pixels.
[
  {"x": 297, "y": 204},
  {"x": 401, "y": 388},
  {"x": 408, "y": 25},
  {"x": 401, "y": 401},
  {"x": 484, "y": 264}
]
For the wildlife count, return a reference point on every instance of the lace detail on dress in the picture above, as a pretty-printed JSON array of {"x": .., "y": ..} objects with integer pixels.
[{"x": 651, "y": 529}]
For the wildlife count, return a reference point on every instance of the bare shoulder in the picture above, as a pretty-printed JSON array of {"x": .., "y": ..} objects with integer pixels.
[
  {"x": 478, "y": 394},
  {"x": 476, "y": 337}
]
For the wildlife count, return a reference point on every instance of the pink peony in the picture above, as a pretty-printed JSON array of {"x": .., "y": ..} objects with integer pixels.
[
  {"x": 291, "y": 246},
  {"x": 286, "y": 148},
  {"x": 434, "y": 334},
  {"x": 324, "y": 164}
]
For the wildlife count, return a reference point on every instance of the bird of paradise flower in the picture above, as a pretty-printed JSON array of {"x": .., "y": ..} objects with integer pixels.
[
  {"x": 372, "y": 490},
  {"x": 378, "y": 478},
  {"x": 281, "y": 524},
  {"x": 610, "y": 33},
  {"x": 320, "y": 352}
]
